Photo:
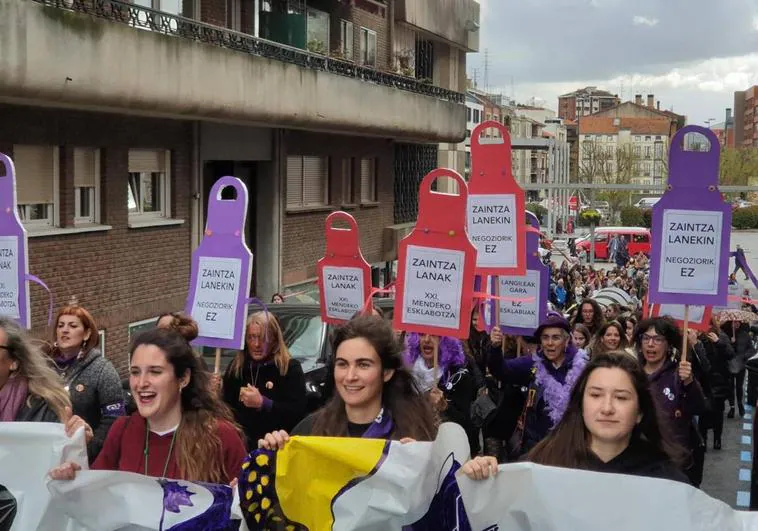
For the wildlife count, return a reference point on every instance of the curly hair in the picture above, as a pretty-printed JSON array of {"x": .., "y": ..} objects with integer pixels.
[{"x": 451, "y": 352}]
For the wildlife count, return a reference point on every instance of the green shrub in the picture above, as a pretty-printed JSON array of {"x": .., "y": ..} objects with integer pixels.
[
  {"x": 745, "y": 218},
  {"x": 538, "y": 210},
  {"x": 589, "y": 217},
  {"x": 632, "y": 217}
]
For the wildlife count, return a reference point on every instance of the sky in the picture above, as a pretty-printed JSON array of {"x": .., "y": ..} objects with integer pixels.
[{"x": 691, "y": 54}]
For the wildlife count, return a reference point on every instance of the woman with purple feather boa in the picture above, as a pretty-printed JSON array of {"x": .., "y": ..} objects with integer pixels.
[
  {"x": 549, "y": 375},
  {"x": 452, "y": 386}
]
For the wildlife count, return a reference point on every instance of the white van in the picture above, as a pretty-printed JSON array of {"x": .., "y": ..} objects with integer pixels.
[{"x": 647, "y": 202}]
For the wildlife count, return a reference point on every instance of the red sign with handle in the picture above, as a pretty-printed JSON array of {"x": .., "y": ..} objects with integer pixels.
[
  {"x": 496, "y": 221},
  {"x": 435, "y": 281},
  {"x": 344, "y": 276},
  {"x": 699, "y": 317}
]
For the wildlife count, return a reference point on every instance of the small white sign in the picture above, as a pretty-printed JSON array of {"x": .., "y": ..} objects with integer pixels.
[
  {"x": 492, "y": 228},
  {"x": 690, "y": 252},
  {"x": 676, "y": 311},
  {"x": 433, "y": 287},
  {"x": 216, "y": 296},
  {"x": 343, "y": 291},
  {"x": 9, "y": 277},
  {"x": 520, "y": 314}
]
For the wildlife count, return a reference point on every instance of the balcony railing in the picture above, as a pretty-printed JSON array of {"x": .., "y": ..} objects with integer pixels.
[{"x": 177, "y": 26}]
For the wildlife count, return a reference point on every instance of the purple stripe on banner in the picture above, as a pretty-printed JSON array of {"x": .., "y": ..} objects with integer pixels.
[{"x": 51, "y": 298}]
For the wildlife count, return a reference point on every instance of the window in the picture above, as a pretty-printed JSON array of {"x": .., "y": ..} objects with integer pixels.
[
  {"x": 648, "y": 152},
  {"x": 36, "y": 184},
  {"x": 468, "y": 114},
  {"x": 317, "y": 32},
  {"x": 640, "y": 238},
  {"x": 489, "y": 116},
  {"x": 86, "y": 186},
  {"x": 476, "y": 116},
  {"x": 101, "y": 344},
  {"x": 144, "y": 21},
  {"x": 468, "y": 133},
  {"x": 368, "y": 47},
  {"x": 346, "y": 39},
  {"x": 637, "y": 151},
  {"x": 347, "y": 181},
  {"x": 148, "y": 186},
  {"x": 307, "y": 181},
  {"x": 368, "y": 180},
  {"x": 648, "y": 138},
  {"x": 638, "y": 138}
]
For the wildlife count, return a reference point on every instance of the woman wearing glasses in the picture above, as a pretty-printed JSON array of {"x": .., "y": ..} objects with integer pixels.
[
  {"x": 451, "y": 387},
  {"x": 677, "y": 392},
  {"x": 549, "y": 375}
]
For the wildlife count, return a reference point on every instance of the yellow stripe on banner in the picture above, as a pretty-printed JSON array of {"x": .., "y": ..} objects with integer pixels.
[{"x": 311, "y": 471}]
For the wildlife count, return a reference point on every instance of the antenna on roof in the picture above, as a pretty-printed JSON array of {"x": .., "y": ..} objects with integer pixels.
[{"x": 486, "y": 69}]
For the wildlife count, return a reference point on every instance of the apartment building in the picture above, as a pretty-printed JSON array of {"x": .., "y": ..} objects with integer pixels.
[
  {"x": 745, "y": 117},
  {"x": 118, "y": 141},
  {"x": 584, "y": 102}
]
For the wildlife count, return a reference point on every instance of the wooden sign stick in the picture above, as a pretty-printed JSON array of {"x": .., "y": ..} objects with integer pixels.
[{"x": 684, "y": 338}]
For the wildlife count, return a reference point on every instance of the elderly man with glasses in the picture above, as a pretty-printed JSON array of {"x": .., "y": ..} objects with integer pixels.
[{"x": 549, "y": 376}]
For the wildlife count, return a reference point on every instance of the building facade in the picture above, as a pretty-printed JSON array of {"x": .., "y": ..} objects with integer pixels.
[
  {"x": 310, "y": 106},
  {"x": 745, "y": 113},
  {"x": 584, "y": 102}
]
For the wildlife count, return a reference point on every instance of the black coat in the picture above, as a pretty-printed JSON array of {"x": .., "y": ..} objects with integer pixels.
[
  {"x": 286, "y": 393},
  {"x": 640, "y": 459},
  {"x": 718, "y": 383},
  {"x": 35, "y": 409}
]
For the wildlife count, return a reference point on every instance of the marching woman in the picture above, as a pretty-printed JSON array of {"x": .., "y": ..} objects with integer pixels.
[
  {"x": 188, "y": 329},
  {"x": 180, "y": 430},
  {"x": 610, "y": 338},
  {"x": 590, "y": 314},
  {"x": 264, "y": 386},
  {"x": 549, "y": 375},
  {"x": 677, "y": 392},
  {"x": 455, "y": 387},
  {"x": 91, "y": 380},
  {"x": 376, "y": 395},
  {"x": 610, "y": 425}
]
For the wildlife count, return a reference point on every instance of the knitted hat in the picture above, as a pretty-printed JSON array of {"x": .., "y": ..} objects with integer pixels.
[{"x": 553, "y": 320}]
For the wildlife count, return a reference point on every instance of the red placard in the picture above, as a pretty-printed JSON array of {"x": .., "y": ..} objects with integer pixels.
[
  {"x": 344, "y": 276},
  {"x": 496, "y": 221},
  {"x": 699, "y": 316},
  {"x": 436, "y": 264}
]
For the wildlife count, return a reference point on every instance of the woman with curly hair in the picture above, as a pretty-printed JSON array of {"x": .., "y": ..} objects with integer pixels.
[
  {"x": 590, "y": 314},
  {"x": 451, "y": 386}
]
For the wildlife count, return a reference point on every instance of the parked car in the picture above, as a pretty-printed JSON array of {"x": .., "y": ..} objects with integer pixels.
[
  {"x": 637, "y": 238},
  {"x": 647, "y": 202}
]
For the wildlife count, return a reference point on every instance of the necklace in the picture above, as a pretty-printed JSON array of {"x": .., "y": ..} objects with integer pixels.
[{"x": 147, "y": 448}]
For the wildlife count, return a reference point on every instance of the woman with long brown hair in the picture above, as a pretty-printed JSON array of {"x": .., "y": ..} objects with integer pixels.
[
  {"x": 611, "y": 425},
  {"x": 181, "y": 430},
  {"x": 264, "y": 385},
  {"x": 91, "y": 380},
  {"x": 376, "y": 395},
  {"x": 610, "y": 338}
]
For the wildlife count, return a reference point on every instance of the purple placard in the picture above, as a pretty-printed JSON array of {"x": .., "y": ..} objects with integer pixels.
[
  {"x": 221, "y": 271},
  {"x": 14, "y": 256},
  {"x": 523, "y": 317},
  {"x": 689, "y": 257}
]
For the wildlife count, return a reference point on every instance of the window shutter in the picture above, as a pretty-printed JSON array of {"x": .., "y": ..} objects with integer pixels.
[
  {"x": 147, "y": 161},
  {"x": 368, "y": 180},
  {"x": 349, "y": 41},
  {"x": 315, "y": 179},
  {"x": 84, "y": 167},
  {"x": 294, "y": 181},
  {"x": 372, "y": 49},
  {"x": 35, "y": 173}
]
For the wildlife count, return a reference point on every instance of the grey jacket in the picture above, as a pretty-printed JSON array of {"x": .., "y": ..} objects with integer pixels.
[{"x": 96, "y": 395}]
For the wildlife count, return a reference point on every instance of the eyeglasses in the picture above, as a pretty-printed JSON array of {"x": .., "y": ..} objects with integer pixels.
[{"x": 655, "y": 340}]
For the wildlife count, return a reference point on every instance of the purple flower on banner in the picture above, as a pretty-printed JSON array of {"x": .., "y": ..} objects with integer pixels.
[{"x": 174, "y": 497}]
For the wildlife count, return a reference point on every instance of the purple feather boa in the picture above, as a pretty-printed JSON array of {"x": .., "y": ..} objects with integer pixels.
[
  {"x": 451, "y": 352},
  {"x": 557, "y": 394}
]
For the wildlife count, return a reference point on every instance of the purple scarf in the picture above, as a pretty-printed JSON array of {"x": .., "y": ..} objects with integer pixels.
[
  {"x": 12, "y": 397},
  {"x": 381, "y": 427},
  {"x": 557, "y": 394}
]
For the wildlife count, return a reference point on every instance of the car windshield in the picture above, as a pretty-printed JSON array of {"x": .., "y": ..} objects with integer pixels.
[{"x": 302, "y": 334}]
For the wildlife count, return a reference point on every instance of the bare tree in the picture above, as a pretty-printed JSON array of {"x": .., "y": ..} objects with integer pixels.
[{"x": 609, "y": 164}]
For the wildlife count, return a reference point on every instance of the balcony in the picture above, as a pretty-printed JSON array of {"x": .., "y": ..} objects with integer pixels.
[
  {"x": 111, "y": 55},
  {"x": 455, "y": 21}
]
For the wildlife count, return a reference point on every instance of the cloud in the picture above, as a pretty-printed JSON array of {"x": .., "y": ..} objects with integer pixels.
[{"x": 644, "y": 21}]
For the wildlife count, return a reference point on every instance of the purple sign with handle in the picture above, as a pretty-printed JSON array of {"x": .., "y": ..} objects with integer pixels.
[
  {"x": 222, "y": 268},
  {"x": 14, "y": 257},
  {"x": 689, "y": 258},
  {"x": 522, "y": 302}
]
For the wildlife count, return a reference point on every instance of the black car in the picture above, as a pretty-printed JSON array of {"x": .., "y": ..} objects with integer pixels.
[{"x": 307, "y": 338}]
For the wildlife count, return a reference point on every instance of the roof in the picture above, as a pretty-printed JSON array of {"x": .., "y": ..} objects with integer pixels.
[
  {"x": 670, "y": 114},
  {"x": 589, "y": 90},
  {"x": 606, "y": 126}
]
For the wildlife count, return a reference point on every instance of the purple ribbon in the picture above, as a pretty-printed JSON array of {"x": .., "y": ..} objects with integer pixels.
[{"x": 51, "y": 299}]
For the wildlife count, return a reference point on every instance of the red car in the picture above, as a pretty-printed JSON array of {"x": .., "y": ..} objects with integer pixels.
[{"x": 637, "y": 239}]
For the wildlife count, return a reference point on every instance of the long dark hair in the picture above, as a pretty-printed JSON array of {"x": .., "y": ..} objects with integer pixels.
[
  {"x": 199, "y": 452},
  {"x": 569, "y": 444},
  {"x": 598, "y": 318},
  {"x": 411, "y": 411},
  {"x": 598, "y": 347}
]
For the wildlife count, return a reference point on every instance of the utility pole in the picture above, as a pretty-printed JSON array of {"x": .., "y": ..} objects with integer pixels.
[{"x": 486, "y": 70}]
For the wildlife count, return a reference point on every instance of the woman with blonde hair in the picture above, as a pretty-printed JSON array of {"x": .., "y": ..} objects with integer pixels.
[
  {"x": 264, "y": 385},
  {"x": 90, "y": 379},
  {"x": 30, "y": 390}
]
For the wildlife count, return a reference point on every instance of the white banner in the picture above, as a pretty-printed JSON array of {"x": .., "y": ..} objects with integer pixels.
[{"x": 528, "y": 497}]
